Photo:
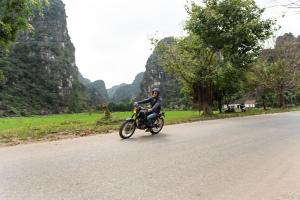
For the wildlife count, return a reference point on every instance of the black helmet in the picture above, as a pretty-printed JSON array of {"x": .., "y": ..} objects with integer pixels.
[{"x": 156, "y": 90}]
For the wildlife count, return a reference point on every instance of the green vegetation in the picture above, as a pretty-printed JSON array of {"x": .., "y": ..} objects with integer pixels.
[
  {"x": 36, "y": 127},
  {"x": 21, "y": 129},
  {"x": 220, "y": 61},
  {"x": 208, "y": 68},
  {"x": 14, "y": 17},
  {"x": 126, "y": 92},
  {"x": 40, "y": 75},
  {"x": 1, "y": 77},
  {"x": 96, "y": 93},
  {"x": 156, "y": 76},
  {"x": 24, "y": 128},
  {"x": 225, "y": 37},
  {"x": 278, "y": 71}
]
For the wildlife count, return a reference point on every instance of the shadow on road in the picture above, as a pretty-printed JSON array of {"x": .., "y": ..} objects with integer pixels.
[{"x": 161, "y": 137}]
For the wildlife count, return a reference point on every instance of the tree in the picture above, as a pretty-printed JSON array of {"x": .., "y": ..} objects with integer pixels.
[
  {"x": 194, "y": 65},
  {"x": 278, "y": 76},
  {"x": 15, "y": 16},
  {"x": 233, "y": 29},
  {"x": 227, "y": 84},
  {"x": 225, "y": 37},
  {"x": 279, "y": 68}
]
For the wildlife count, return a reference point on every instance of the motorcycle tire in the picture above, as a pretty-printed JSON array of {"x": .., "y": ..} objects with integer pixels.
[
  {"x": 157, "y": 130},
  {"x": 127, "y": 129}
]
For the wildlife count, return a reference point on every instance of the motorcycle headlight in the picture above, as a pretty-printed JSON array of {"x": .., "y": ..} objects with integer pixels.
[{"x": 134, "y": 110}]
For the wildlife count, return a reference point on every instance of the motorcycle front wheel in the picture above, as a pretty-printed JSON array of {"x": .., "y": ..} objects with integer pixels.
[{"x": 127, "y": 129}]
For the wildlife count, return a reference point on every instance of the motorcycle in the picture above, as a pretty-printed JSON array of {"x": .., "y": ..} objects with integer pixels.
[{"x": 138, "y": 121}]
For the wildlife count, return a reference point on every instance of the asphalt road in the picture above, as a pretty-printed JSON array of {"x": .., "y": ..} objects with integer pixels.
[{"x": 253, "y": 158}]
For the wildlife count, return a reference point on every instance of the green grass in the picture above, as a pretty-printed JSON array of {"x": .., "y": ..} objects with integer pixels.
[
  {"x": 14, "y": 130},
  {"x": 37, "y": 127}
]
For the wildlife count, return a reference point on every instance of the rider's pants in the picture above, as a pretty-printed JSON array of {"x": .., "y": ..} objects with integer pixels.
[{"x": 150, "y": 118}]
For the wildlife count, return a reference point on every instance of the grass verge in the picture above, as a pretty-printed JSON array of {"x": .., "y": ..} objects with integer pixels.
[{"x": 28, "y": 129}]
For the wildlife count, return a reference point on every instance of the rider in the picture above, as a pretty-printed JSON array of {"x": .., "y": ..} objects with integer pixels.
[{"x": 155, "y": 102}]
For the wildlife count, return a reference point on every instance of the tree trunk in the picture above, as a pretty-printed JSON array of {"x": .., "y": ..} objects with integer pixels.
[
  {"x": 203, "y": 97},
  {"x": 264, "y": 102},
  {"x": 281, "y": 100},
  {"x": 199, "y": 100},
  {"x": 206, "y": 99},
  {"x": 206, "y": 108},
  {"x": 199, "y": 107},
  {"x": 280, "y": 96},
  {"x": 220, "y": 105}
]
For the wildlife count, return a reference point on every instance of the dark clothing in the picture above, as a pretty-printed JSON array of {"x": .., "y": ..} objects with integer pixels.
[
  {"x": 154, "y": 102},
  {"x": 151, "y": 118}
]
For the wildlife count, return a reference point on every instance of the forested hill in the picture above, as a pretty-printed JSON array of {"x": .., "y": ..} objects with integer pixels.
[
  {"x": 156, "y": 76},
  {"x": 41, "y": 76},
  {"x": 112, "y": 91},
  {"x": 126, "y": 92}
]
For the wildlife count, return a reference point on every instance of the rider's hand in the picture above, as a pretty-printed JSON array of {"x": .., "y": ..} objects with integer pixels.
[
  {"x": 135, "y": 103},
  {"x": 149, "y": 110}
]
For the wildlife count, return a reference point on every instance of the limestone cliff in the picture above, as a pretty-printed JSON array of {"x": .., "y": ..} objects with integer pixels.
[
  {"x": 156, "y": 77},
  {"x": 126, "y": 92},
  {"x": 41, "y": 73}
]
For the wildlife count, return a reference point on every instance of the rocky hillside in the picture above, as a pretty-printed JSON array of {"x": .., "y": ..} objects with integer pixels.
[
  {"x": 82, "y": 80},
  {"x": 41, "y": 76},
  {"x": 41, "y": 73},
  {"x": 111, "y": 91},
  {"x": 97, "y": 93},
  {"x": 126, "y": 92},
  {"x": 155, "y": 76}
]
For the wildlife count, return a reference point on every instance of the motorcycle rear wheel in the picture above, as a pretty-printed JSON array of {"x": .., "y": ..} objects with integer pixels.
[{"x": 158, "y": 126}]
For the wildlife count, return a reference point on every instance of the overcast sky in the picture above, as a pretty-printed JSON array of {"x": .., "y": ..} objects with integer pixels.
[{"x": 112, "y": 36}]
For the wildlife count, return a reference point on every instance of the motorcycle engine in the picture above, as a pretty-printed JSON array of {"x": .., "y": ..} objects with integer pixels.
[{"x": 141, "y": 125}]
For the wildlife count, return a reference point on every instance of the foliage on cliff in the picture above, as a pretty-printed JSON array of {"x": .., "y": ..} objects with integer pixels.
[
  {"x": 156, "y": 76},
  {"x": 126, "y": 92},
  {"x": 41, "y": 76}
]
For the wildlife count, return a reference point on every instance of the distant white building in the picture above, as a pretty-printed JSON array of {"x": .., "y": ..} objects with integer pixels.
[
  {"x": 232, "y": 106},
  {"x": 250, "y": 103}
]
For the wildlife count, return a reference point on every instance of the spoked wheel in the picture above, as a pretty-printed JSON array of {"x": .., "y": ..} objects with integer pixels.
[
  {"x": 158, "y": 126},
  {"x": 127, "y": 129}
]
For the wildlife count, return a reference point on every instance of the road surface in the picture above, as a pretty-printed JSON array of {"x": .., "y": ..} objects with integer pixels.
[{"x": 250, "y": 158}]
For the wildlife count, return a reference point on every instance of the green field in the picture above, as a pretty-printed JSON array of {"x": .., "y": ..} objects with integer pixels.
[
  {"x": 52, "y": 127},
  {"x": 37, "y": 127}
]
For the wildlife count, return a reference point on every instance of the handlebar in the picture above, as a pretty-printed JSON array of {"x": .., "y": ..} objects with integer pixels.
[{"x": 139, "y": 107}]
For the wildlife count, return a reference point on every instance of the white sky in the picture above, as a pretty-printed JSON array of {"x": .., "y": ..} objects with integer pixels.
[{"x": 112, "y": 36}]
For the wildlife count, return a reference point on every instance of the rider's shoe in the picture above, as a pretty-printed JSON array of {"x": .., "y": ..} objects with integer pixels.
[{"x": 148, "y": 129}]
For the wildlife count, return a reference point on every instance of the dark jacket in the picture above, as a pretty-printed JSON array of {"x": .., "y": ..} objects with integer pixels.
[{"x": 154, "y": 102}]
